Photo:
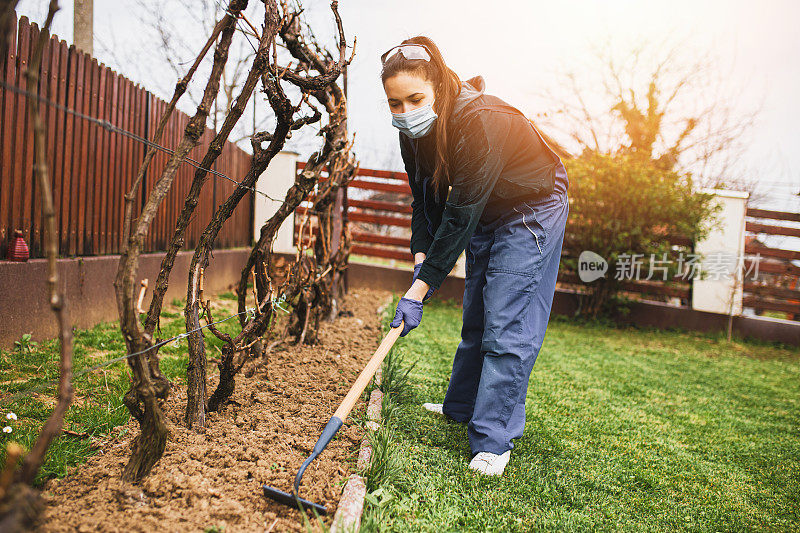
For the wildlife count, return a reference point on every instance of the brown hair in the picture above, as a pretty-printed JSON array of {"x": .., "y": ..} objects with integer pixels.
[{"x": 446, "y": 87}]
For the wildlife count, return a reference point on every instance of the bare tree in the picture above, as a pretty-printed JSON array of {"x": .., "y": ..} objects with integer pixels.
[
  {"x": 659, "y": 101},
  {"x": 191, "y": 201},
  {"x": 320, "y": 86}
]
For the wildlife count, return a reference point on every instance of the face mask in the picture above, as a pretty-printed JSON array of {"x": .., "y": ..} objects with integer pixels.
[{"x": 417, "y": 122}]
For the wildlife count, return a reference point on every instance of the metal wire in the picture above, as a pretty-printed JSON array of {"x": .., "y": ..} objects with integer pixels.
[
  {"x": 228, "y": 10},
  {"x": 27, "y": 392},
  {"x": 116, "y": 129},
  {"x": 41, "y": 386}
]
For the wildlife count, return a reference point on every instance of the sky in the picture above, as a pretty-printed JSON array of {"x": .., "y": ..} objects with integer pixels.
[{"x": 519, "y": 47}]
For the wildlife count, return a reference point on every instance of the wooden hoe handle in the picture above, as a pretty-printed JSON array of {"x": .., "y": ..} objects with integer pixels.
[{"x": 363, "y": 379}]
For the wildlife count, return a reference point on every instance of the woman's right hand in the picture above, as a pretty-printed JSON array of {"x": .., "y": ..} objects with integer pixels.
[{"x": 409, "y": 312}]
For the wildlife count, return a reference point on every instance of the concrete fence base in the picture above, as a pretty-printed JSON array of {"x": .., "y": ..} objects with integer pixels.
[{"x": 88, "y": 285}]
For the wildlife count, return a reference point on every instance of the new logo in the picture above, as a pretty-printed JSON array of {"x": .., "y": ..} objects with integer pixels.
[{"x": 591, "y": 266}]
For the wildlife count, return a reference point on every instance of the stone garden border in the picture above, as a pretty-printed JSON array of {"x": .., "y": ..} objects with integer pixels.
[{"x": 351, "y": 505}]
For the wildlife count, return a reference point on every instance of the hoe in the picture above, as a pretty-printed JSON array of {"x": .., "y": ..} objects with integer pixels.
[{"x": 333, "y": 425}]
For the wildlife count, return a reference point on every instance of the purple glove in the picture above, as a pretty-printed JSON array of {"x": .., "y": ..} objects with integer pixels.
[
  {"x": 413, "y": 279},
  {"x": 410, "y": 312}
]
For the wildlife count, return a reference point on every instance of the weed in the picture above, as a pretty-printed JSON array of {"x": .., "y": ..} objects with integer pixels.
[
  {"x": 383, "y": 468},
  {"x": 377, "y": 502},
  {"x": 25, "y": 345},
  {"x": 395, "y": 378}
]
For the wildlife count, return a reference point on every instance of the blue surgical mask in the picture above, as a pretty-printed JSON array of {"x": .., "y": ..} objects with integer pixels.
[{"x": 417, "y": 122}]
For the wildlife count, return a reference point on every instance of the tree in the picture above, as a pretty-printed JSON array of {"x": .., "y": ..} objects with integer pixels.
[
  {"x": 334, "y": 155},
  {"x": 652, "y": 126},
  {"x": 659, "y": 101},
  {"x": 149, "y": 384}
]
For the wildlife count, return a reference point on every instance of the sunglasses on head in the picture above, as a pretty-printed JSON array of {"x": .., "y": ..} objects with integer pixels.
[{"x": 409, "y": 51}]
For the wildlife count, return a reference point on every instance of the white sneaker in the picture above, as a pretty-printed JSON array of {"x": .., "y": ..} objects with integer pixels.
[
  {"x": 490, "y": 463},
  {"x": 433, "y": 407}
]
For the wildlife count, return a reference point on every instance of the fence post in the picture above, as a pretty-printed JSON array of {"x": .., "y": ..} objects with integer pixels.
[
  {"x": 276, "y": 180},
  {"x": 723, "y": 248}
]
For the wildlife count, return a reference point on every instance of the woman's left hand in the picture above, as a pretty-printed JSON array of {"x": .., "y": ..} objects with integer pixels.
[{"x": 414, "y": 278}]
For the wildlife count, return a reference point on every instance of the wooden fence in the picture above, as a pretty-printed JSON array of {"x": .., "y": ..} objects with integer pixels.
[
  {"x": 371, "y": 220},
  {"x": 777, "y": 287},
  {"x": 91, "y": 167},
  {"x": 382, "y": 228}
]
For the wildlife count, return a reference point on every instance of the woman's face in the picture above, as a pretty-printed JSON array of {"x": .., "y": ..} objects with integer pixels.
[{"x": 405, "y": 91}]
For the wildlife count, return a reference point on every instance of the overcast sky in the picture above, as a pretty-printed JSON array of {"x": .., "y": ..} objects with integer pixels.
[{"x": 518, "y": 45}]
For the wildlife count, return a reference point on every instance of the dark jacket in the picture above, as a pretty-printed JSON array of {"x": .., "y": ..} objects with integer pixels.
[{"x": 497, "y": 159}]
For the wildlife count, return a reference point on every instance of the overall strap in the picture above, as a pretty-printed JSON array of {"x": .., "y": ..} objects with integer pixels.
[
  {"x": 510, "y": 109},
  {"x": 495, "y": 107}
]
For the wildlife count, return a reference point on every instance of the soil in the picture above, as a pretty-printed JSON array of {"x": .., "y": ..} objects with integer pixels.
[{"x": 214, "y": 478}]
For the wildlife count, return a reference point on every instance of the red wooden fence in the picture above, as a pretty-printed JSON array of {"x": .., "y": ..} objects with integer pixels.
[
  {"x": 91, "y": 168},
  {"x": 367, "y": 217},
  {"x": 777, "y": 287}
]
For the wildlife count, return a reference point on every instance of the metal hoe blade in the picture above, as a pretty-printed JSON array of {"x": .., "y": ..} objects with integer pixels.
[{"x": 293, "y": 500}]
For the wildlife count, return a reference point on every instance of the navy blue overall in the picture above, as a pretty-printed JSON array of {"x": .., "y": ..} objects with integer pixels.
[{"x": 511, "y": 269}]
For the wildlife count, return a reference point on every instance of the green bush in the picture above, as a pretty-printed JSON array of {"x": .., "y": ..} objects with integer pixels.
[{"x": 629, "y": 204}]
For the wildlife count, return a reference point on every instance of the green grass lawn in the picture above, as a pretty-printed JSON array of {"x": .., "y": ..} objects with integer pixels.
[
  {"x": 626, "y": 430},
  {"x": 97, "y": 407}
]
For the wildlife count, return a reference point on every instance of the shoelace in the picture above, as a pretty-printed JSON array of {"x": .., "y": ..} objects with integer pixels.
[{"x": 482, "y": 456}]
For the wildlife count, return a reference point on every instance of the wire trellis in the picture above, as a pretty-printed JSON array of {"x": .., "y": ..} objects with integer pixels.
[
  {"x": 276, "y": 302},
  {"x": 116, "y": 129}
]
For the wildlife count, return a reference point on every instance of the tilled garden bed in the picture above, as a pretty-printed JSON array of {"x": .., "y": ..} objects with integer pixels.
[{"x": 212, "y": 480}]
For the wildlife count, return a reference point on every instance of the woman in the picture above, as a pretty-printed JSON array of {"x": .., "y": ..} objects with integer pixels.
[{"x": 483, "y": 179}]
